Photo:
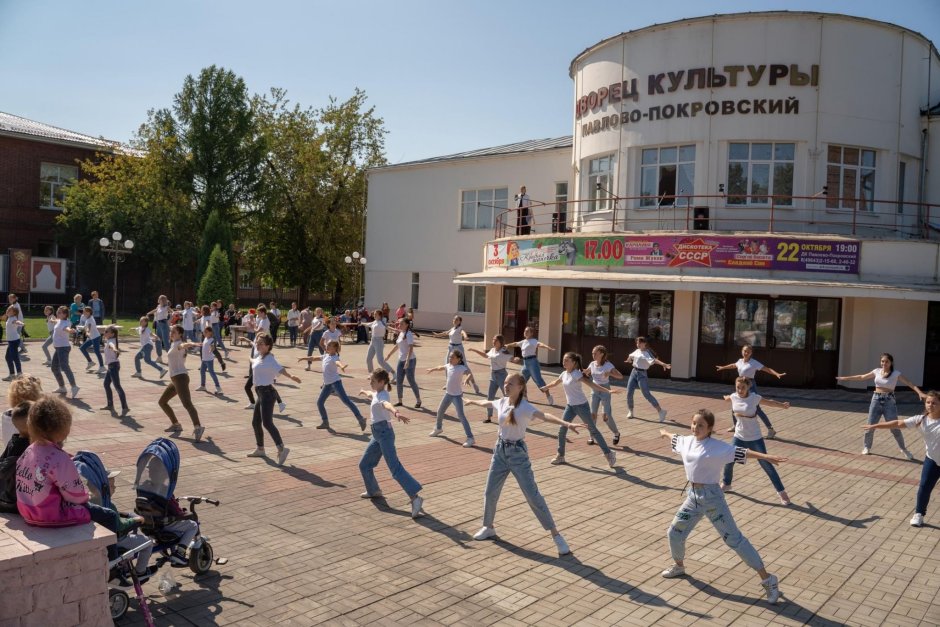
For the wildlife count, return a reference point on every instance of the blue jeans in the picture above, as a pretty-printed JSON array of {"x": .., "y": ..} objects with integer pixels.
[
  {"x": 382, "y": 445},
  {"x": 217, "y": 335},
  {"x": 760, "y": 410},
  {"x": 162, "y": 329},
  {"x": 457, "y": 400},
  {"x": 583, "y": 411},
  {"x": 599, "y": 399},
  {"x": 513, "y": 457},
  {"x": 337, "y": 387},
  {"x": 145, "y": 355},
  {"x": 531, "y": 369},
  {"x": 708, "y": 500},
  {"x": 210, "y": 367},
  {"x": 13, "y": 357},
  {"x": 314, "y": 343},
  {"x": 96, "y": 346},
  {"x": 45, "y": 348},
  {"x": 190, "y": 336},
  {"x": 883, "y": 405},
  {"x": 406, "y": 370},
  {"x": 640, "y": 378},
  {"x": 760, "y": 447},
  {"x": 375, "y": 352},
  {"x": 929, "y": 475},
  {"x": 114, "y": 377},
  {"x": 497, "y": 380},
  {"x": 60, "y": 364}
]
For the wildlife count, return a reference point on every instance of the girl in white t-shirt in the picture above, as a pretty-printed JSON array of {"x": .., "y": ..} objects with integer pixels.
[
  {"x": 456, "y": 370},
  {"x": 703, "y": 458},
  {"x": 113, "y": 377},
  {"x": 642, "y": 359},
  {"x": 49, "y": 314},
  {"x": 929, "y": 425},
  {"x": 499, "y": 357},
  {"x": 405, "y": 345},
  {"x": 455, "y": 338},
  {"x": 293, "y": 323},
  {"x": 377, "y": 329},
  {"x": 207, "y": 363},
  {"x": 382, "y": 444},
  {"x": 529, "y": 347},
  {"x": 60, "y": 359},
  {"x": 748, "y": 367},
  {"x": 882, "y": 404},
  {"x": 747, "y": 434},
  {"x": 161, "y": 325},
  {"x": 13, "y": 328},
  {"x": 264, "y": 369},
  {"x": 93, "y": 335},
  {"x": 315, "y": 330},
  {"x": 601, "y": 370},
  {"x": 511, "y": 455},
  {"x": 333, "y": 384},
  {"x": 571, "y": 380},
  {"x": 179, "y": 384}
]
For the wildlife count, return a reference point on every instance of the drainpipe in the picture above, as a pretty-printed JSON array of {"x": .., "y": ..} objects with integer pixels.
[{"x": 922, "y": 188}]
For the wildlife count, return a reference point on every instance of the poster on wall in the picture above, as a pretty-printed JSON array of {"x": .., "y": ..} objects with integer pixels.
[
  {"x": 723, "y": 252},
  {"x": 48, "y": 275},
  {"x": 19, "y": 269}
]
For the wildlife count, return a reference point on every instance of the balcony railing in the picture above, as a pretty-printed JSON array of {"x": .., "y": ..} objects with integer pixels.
[{"x": 829, "y": 215}]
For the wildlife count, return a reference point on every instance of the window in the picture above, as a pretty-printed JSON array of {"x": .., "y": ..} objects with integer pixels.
[
  {"x": 750, "y": 321},
  {"x": 596, "y": 313},
  {"x": 570, "y": 314},
  {"x": 790, "y": 324},
  {"x": 627, "y": 315},
  {"x": 54, "y": 179},
  {"x": 666, "y": 173},
  {"x": 827, "y": 324},
  {"x": 598, "y": 182},
  {"x": 560, "y": 215},
  {"x": 471, "y": 299},
  {"x": 659, "y": 325},
  {"x": 713, "y": 319},
  {"x": 480, "y": 207},
  {"x": 850, "y": 178},
  {"x": 415, "y": 283},
  {"x": 759, "y": 170},
  {"x": 244, "y": 280}
]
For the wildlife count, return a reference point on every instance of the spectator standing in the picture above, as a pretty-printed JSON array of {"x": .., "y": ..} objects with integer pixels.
[
  {"x": 523, "y": 216},
  {"x": 97, "y": 307}
]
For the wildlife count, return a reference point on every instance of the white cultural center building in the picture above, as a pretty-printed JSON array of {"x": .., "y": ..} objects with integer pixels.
[{"x": 766, "y": 178}]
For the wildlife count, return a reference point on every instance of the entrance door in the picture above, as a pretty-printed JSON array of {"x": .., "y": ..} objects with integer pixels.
[
  {"x": 520, "y": 309},
  {"x": 932, "y": 352}
]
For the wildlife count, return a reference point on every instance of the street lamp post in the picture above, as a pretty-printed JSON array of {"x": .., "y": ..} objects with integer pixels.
[
  {"x": 117, "y": 250},
  {"x": 356, "y": 264}
]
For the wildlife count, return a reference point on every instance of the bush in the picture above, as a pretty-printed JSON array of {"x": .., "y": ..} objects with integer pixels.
[{"x": 216, "y": 284}]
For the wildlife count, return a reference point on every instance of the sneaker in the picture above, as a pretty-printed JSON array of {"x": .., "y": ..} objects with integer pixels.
[
  {"x": 323, "y": 425},
  {"x": 590, "y": 441},
  {"x": 201, "y": 388},
  {"x": 616, "y": 439},
  {"x": 470, "y": 443},
  {"x": 197, "y": 433},
  {"x": 102, "y": 370},
  {"x": 282, "y": 407},
  {"x": 59, "y": 390},
  {"x": 866, "y": 451},
  {"x": 376, "y": 495},
  {"x": 282, "y": 455},
  {"x": 416, "y": 506},
  {"x": 399, "y": 404},
  {"x": 784, "y": 498},
  {"x": 137, "y": 375},
  {"x": 771, "y": 433},
  {"x": 9, "y": 378},
  {"x": 557, "y": 460},
  {"x": 662, "y": 415},
  {"x": 611, "y": 459},
  {"x": 174, "y": 428},
  {"x": 308, "y": 367},
  {"x": 178, "y": 557},
  {"x": 435, "y": 432},
  {"x": 163, "y": 372},
  {"x": 771, "y": 588},
  {"x": 109, "y": 408},
  {"x": 418, "y": 404},
  {"x": 74, "y": 391},
  {"x": 551, "y": 401},
  {"x": 917, "y": 520},
  {"x": 258, "y": 452},
  {"x": 563, "y": 548},
  {"x": 673, "y": 571},
  {"x": 89, "y": 367},
  {"x": 629, "y": 413},
  {"x": 250, "y": 406},
  {"x": 47, "y": 363},
  {"x": 488, "y": 420},
  {"x": 906, "y": 453},
  {"x": 725, "y": 487},
  {"x": 218, "y": 391},
  {"x": 485, "y": 533},
  {"x": 125, "y": 411}
]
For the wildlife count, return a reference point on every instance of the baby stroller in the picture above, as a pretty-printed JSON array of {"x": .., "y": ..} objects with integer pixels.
[{"x": 157, "y": 471}]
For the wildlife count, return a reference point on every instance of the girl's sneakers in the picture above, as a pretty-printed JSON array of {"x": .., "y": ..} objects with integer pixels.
[
  {"x": 673, "y": 571},
  {"x": 771, "y": 587}
]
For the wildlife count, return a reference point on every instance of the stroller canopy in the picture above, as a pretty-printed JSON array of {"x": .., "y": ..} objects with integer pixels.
[
  {"x": 95, "y": 477},
  {"x": 157, "y": 469}
]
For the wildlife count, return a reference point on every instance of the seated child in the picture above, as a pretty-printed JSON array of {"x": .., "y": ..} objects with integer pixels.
[
  {"x": 11, "y": 453},
  {"x": 26, "y": 388}
]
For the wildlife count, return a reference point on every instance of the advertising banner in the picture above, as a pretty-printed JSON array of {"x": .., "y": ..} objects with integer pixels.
[
  {"x": 19, "y": 270},
  {"x": 723, "y": 252},
  {"x": 48, "y": 275}
]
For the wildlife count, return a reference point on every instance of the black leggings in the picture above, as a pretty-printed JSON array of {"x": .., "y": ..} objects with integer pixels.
[
  {"x": 264, "y": 415},
  {"x": 251, "y": 384}
]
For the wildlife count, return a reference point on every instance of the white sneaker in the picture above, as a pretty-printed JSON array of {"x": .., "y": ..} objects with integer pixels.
[
  {"x": 416, "y": 506},
  {"x": 866, "y": 451},
  {"x": 282, "y": 407},
  {"x": 250, "y": 406},
  {"x": 282, "y": 455},
  {"x": 771, "y": 588},
  {"x": 258, "y": 452},
  {"x": 469, "y": 443},
  {"x": 784, "y": 497},
  {"x": 611, "y": 459},
  {"x": 662, "y": 415},
  {"x": 137, "y": 375},
  {"x": 563, "y": 548},
  {"x": 917, "y": 520},
  {"x": 485, "y": 533},
  {"x": 906, "y": 453},
  {"x": 197, "y": 433},
  {"x": 771, "y": 433},
  {"x": 435, "y": 432},
  {"x": 201, "y": 388},
  {"x": 629, "y": 413},
  {"x": 89, "y": 367},
  {"x": 557, "y": 460},
  {"x": 673, "y": 571},
  {"x": 218, "y": 391},
  {"x": 74, "y": 391},
  {"x": 59, "y": 390},
  {"x": 551, "y": 401},
  {"x": 102, "y": 370},
  {"x": 163, "y": 373}
]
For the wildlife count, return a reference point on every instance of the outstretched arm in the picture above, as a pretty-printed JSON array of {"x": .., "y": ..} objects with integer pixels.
[
  {"x": 894, "y": 424},
  {"x": 478, "y": 352},
  {"x": 600, "y": 388},
  {"x": 902, "y": 379},
  {"x": 436, "y": 368},
  {"x": 663, "y": 364},
  {"x": 770, "y": 370},
  {"x": 555, "y": 419},
  {"x": 857, "y": 377},
  {"x": 726, "y": 367},
  {"x": 769, "y": 401},
  {"x": 773, "y": 459},
  {"x": 553, "y": 384}
]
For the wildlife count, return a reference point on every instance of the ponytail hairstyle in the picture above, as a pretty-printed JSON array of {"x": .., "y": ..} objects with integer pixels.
[
  {"x": 502, "y": 343},
  {"x": 408, "y": 324},
  {"x": 514, "y": 402},
  {"x": 576, "y": 358},
  {"x": 890, "y": 358},
  {"x": 459, "y": 355},
  {"x": 381, "y": 375},
  {"x": 600, "y": 348}
]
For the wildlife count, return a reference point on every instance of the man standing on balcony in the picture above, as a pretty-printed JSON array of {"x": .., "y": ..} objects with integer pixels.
[{"x": 523, "y": 218}]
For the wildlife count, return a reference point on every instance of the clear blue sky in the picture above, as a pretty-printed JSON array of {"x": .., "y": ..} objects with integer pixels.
[{"x": 445, "y": 76}]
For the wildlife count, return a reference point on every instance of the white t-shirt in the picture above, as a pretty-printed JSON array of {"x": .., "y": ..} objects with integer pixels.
[
  {"x": 748, "y": 369},
  {"x": 110, "y": 352},
  {"x": 404, "y": 341},
  {"x": 745, "y": 410},
  {"x": 571, "y": 381},
  {"x": 264, "y": 369},
  {"x": 91, "y": 329},
  {"x": 499, "y": 358},
  {"x": 162, "y": 312},
  {"x": 316, "y": 324},
  {"x": 642, "y": 359},
  {"x": 522, "y": 416},
  {"x": 293, "y": 317},
  {"x": 189, "y": 317},
  {"x": 6, "y": 428},
  {"x": 176, "y": 359},
  {"x": 330, "y": 369},
  {"x": 263, "y": 324},
  {"x": 208, "y": 345},
  {"x": 378, "y": 411},
  {"x": 881, "y": 381},
  {"x": 13, "y": 329},
  {"x": 529, "y": 347},
  {"x": 60, "y": 334},
  {"x": 704, "y": 460},
  {"x": 19, "y": 312},
  {"x": 329, "y": 336},
  {"x": 146, "y": 337},
  {"x": 931, "y": 431},
  {"x": 50, "y": 323},
  {"x": 455, "y": 336},
  {"x": 454, "y": 378},
  {"x": 213, "y": 316},
  {"x": 378, "y": 331},
  {"x": 600, "y": 373}
]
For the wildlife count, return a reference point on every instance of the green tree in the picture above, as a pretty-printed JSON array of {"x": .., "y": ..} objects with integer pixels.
[
  {"x": 216, "y": 284},
  {"x": 216, "y": 232}
]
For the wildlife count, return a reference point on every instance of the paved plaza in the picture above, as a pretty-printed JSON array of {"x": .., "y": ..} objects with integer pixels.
[{"x": 303, "y": 548}]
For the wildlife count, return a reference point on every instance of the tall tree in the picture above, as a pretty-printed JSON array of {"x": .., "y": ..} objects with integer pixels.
[
  {"x": 216, "y": 283},
  {"x": 216, "y": 232}
]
